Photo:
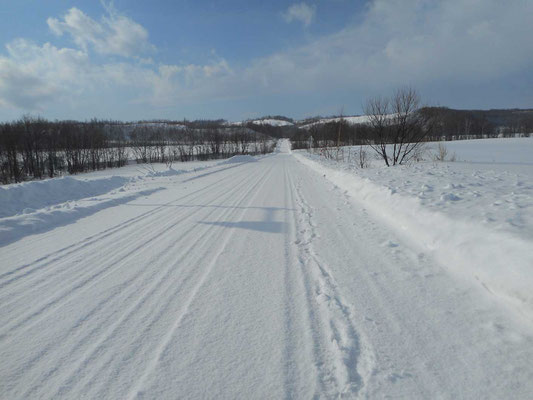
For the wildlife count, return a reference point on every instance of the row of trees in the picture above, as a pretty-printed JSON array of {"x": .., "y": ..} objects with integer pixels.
[
  {"x": 449, "y": 124},
  {"x": 397, "y": 126},
  {"x": 185, "y": 144},
  {"x": 34, "y": 148},
  {"x": 395, "y": 129},
  {"x": 478, "y": 124}
]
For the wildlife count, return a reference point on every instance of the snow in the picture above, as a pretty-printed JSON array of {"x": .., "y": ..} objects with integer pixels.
[
  {"x": 509, "y": 151},
  {"x": 272, "y": 122},
  {"x": 359, "y": 119},
  {"x": 28, "y": 196},
  {"x": 240, "y": 159},
  {"x": 38, "y": 206},
  {"x": 260, "y": 279},
  {"x": 476, "y": 217},
  {"x": 266, "y": 121}
]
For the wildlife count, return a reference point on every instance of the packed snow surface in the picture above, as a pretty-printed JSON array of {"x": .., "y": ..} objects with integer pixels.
[{"x": 266, "y": 279}]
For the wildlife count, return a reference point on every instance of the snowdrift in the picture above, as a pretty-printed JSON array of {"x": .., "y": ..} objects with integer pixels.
[
  {"x": 500, "y": 261},
  {"x": 30, "y": 196}
]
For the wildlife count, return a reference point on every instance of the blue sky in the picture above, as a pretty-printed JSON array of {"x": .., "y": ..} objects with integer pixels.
[{"x": 236, "y": 59}]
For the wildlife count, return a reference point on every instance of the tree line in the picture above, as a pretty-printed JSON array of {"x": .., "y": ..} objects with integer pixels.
[
  {"x": 397, "y": 126},
  {"x": 449, "y": 124},
  {"x": 35, "y": 148}
]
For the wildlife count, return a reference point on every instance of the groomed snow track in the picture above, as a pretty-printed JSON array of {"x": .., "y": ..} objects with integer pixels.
[{"x": 250, "y": 280}]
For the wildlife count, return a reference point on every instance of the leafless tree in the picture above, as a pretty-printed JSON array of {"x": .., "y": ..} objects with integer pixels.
[
  {"x": 398, "y": 126},
  {"x": 362, "y": 160}
]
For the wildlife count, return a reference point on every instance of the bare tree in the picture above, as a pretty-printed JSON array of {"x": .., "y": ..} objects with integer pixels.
[
  {"x": 378, "y": 110},
  {"x": 362, "y": 161},
  {"x": 339, "y": 132},
  {"x": 398, "y": 127}
]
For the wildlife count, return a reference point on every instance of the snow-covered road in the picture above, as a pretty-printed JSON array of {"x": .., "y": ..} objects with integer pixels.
[{"x": 247, "y": 280}]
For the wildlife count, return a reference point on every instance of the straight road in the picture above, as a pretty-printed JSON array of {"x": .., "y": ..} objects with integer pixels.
[{"x": 252, "y": 280}]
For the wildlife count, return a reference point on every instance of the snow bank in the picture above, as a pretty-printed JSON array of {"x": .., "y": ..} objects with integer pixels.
[
  {"x": 16, "y": 227},
  {"x": 498, "y": 260},
  {"x": 167, "y": 172},
  {"x": 29, "y": 196}
]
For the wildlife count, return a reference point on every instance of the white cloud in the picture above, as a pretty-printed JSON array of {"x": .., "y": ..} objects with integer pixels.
[
  {"x": 394, "y": 43},
  {"x": 400, "y": 42},
  {"x": 21, "y": 89},
  {"x": 114, "y": 34},
  {"x": 33, "y": 76},
  {"x": 300, "y": 12}
]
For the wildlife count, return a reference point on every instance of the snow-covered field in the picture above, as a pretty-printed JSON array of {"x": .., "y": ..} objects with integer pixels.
[{"x": 283, "y": 276}]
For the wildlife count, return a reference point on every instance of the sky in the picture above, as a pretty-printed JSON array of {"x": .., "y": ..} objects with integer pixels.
[{"x": 235, "y": 59}]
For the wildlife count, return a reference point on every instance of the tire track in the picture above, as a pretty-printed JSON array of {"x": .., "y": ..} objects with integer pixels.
[
  {"x": 295, "y": 377},
  {"x": 152, "y": 365},
  {"x": 159, "y": 287},
  {"x": 119, "y": 259},
  {"x": 135, "y": 233},
  {"x": 338, "y": 345},
  {"x": 102, "y": 235}
]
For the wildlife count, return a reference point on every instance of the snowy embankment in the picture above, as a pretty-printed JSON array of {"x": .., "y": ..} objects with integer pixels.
[
  {"x": 39, "y": 206},
  {"x": 474, "y": 216},
  {"x": 24, "y": 198}
]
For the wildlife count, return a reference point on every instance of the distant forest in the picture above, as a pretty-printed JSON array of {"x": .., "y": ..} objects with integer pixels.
[
  {"x": 35, "y": 148},
  {"x": 446, "y": 124}
]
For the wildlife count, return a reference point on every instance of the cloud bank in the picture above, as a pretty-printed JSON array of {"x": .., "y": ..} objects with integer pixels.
[
  {"x": 395, "y": 42},
  {"x": 114, "y": 34}
]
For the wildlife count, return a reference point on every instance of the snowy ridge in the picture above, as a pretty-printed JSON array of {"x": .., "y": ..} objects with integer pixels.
[
  {"x": 272, "y": 122},
  {"x": 359, "y": 119},
  {"x": 39, "y": 206},
  {"x": 266, "y": 121},
  {"x": 499, "y": 261},
  {"x": 29, "y": 196}
]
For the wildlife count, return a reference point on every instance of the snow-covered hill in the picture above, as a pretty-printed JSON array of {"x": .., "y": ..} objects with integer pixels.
[{"x": 266, "y": 121}]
